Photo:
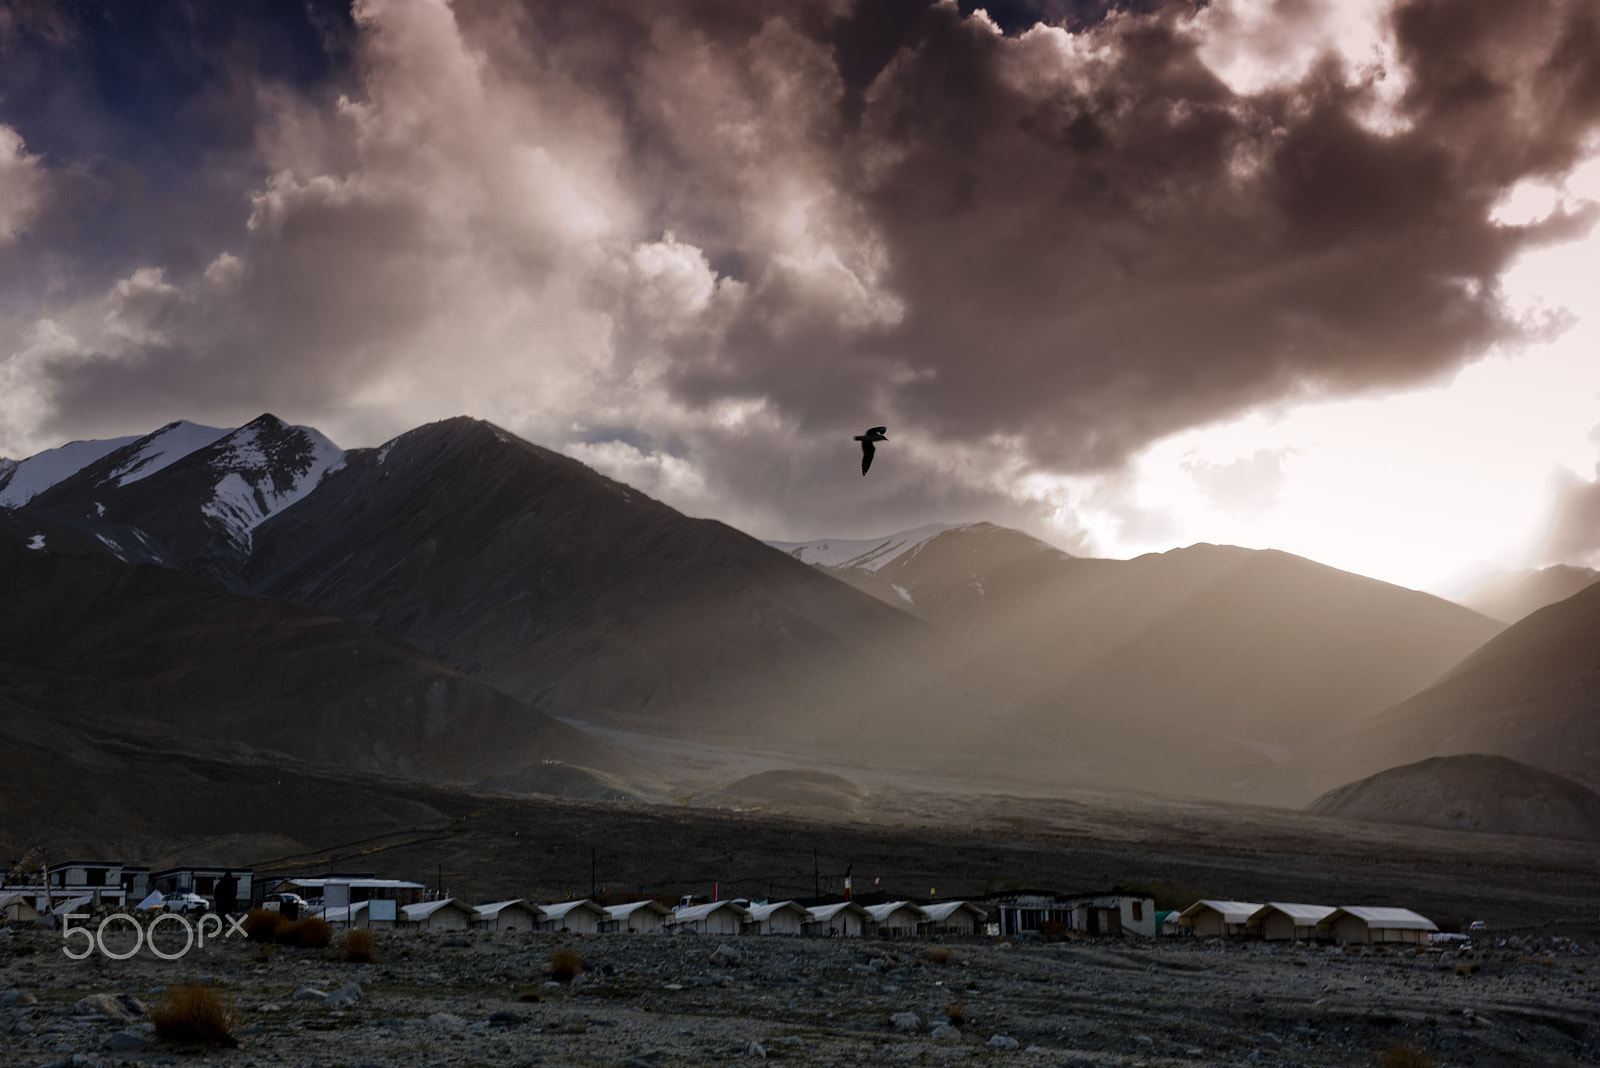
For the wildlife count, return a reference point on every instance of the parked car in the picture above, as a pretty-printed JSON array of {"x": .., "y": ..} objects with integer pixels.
[
  {"x": 293, "y": 904},
  {"x": 185, "y": 902}
]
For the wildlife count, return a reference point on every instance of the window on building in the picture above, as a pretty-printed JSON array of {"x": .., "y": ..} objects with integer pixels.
[{"x": 94, "y": 877}]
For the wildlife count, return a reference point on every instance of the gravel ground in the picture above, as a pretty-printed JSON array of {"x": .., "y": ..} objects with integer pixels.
[{"x": 485, "y": 998}]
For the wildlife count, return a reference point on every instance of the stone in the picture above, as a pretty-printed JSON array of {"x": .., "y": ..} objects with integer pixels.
[
  {"x": 906, "y": 1021},
  {"x": 346, "y": 995},
  {"x": 945, "y": 1033},
  {"x": 791, "y": 1040},
  {"x": 756, "y": 1049},
  {"x": 449, "y": 1021},
  {"x": 725, "y": 956},
  {"x": 307, "y": 993},
  {"x": 13, "y": 998},
  {"x": 113, "y": 1006},
  {"x": 1003, "y": 1042},
  {"x": 572, "y": 1024},
  {"x": 124, "y": 1042},
  {"x": 505, "y": 1019}
]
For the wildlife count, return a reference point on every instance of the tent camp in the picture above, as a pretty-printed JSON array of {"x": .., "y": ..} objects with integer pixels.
[
  {"x": 1363, "y": 923},
  {"x": 897, "y": 918},
  {"x": 715, "y": 917},
  {"x": 1212, "y": 919},
  {"x": 1285, "y": 921},
  {"x": 447, "y": 914},
  {"x": 637, "y": 917},
  {"x": 777, "y": 917},
  {"x": 843, "y": 918},
  {"x": 955, "y": 918},
  {"x": 14, "y": 908},
  {"x": 582, "y": 916},
  {"x": 518, "y": 914}
]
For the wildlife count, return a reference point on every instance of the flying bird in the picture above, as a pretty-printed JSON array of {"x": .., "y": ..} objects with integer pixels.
[{"x": 873, "y": 434}]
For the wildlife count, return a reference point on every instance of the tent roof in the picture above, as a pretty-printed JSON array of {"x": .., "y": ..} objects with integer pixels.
[
  {"x": 561, "y": 908},
  {"x": 495, "y": 908},
  {"x": 1232, "y": 911},
  {"x": 691, "y": 913},
  {"x": 1302, "y": 915},
  {"x": 619, "y": 912},
  {"x": 828, "y": 912},
  {"x": 765, "y": 910},
  {"x": 423, "y": 909},
  {"x": 1393, "y": 919},
  {"x": 881, "y": 912},
  {"x": 945, "y": 909}
]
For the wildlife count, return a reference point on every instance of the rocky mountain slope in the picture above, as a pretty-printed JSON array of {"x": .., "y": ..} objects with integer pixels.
[
  {"x": 1260, "y": 644},
  {"x": 1473, "y": 792},
  {"x": 164, "y": 661},
  {"x": 1512, "y": 597}
]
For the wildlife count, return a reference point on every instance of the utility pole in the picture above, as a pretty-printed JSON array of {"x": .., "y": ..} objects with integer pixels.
[
  {"x": 816, "y": 873},
  {"x": 593, "y": 885}
]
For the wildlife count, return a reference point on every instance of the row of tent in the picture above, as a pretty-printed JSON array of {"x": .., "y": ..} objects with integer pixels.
[
  {"x": 730, "y": 917},
  {"x": 1289, "y": 921}
]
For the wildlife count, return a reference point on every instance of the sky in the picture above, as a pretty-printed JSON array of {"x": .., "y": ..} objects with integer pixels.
[{"x": 1302, "y": 274}]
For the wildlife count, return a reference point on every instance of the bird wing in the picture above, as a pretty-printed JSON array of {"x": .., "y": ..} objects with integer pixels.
[
  {"x": 877, "y": 430},
  {"x": 866, "y": 455}
]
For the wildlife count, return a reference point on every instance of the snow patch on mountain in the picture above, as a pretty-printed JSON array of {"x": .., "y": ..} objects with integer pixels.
[
  {"x": 23, "y": 480},
  {"x": 266, "y": 467},
  {"x": 868, "y": 554},
  {"x": 36, "y": 542},
  {"x": 163, "y": 448}
]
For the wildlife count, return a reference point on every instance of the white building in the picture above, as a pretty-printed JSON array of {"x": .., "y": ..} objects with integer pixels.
[
  {"x": 897, "y": 918},
  {"x": 1288, "y": 921},
  {"x": 585, "y": 916},
  {"x": 777, "y": 917},
  {"x": 637, "y": 917},
  {"x": 1363, "y": 923},
  {"x": 1214, "y": 919},
  {"x": 446, "y": 914},
  {"x": 714, "y": 918},
  {"x": 514, "y": 915},
  {"x": 110, "y": 881},
  {"x": 845, "y": 919}
]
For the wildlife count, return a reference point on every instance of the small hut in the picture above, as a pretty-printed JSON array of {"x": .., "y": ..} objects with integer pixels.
[
  {"x": 1286, "y": 921},
  {"x": 896, "y": 919},
  {"x": 842, "y": 918},
  {"x": 715, "y": 917},
  {"x": 518, "y": 914},
  {"x": 583, "y": 916},
  {"x": 777, "y": 917},
  {"x": 1215, "y": 919},
  {"x": 955, "y": 918},
  {"x": 446, "y": 914},
  {"x": 14, "y": 908},
  {"x": 1363, "y": 924},
  {"x": 637, "y": 917}
]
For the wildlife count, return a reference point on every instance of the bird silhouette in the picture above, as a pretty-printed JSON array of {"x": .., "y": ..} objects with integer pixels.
[{"x": 873, "y": 434}]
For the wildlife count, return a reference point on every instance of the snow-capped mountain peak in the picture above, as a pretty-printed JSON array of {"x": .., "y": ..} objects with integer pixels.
[
  {"x": 868, "y": 554},
  {"x": 23, "y": 480},
  {"x": 264, "y": 467},
  {"x": 162, "y": 448}
]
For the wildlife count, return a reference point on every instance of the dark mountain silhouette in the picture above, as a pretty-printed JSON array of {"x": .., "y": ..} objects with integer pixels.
[{"x": 1473, "y": 792}]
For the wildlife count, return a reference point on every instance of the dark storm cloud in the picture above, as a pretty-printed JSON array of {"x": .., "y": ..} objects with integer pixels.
[{"x": 1032, "y": 242}]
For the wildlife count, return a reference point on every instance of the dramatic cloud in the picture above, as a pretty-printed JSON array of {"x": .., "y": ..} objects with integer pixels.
[
  {"x": 22, "y": 185},
  {"x": 700, "y": 244}
]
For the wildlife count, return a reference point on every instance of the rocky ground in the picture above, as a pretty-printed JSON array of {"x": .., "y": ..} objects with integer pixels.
[{"x": 485, "y": 998}]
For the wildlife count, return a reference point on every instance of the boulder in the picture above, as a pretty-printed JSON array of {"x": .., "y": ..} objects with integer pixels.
[
  {"x": 346, "y": 995},
  {"x": 906, "y": 1021},
  {"x": 725, "y": 956},
  {"x": 112, "y": 1006}
]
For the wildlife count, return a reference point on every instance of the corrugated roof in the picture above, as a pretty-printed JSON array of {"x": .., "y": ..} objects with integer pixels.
[
  {"x": 1302, "y": 915},
  {"x": 1232, "y": 911},
  {"x": 1392, "y": 919}
]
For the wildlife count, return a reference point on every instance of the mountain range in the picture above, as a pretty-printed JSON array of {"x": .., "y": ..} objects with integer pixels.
[{"x": 460, "y": 605}]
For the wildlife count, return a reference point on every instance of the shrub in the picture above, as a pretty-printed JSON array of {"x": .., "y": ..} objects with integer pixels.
[
  {"x": 956, "y": 1012},
  {"x": 939, "y": 954},
  {"x": 311, "y": 932},
  {"x": 359, "y": 944},
  {"x": 265, "y": 925},
  {"x": 1401, "y": 1055},
  {"x": 565, "y": 964},
  {"x": 196, "y": 1014},
  {"x": 1468, "y": 967}
]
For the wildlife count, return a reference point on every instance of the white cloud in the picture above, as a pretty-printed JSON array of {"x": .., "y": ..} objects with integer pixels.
[{"x": 22, "y": 185}]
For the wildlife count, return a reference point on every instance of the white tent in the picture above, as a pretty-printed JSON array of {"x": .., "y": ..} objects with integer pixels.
[
  {"x": 445, "y": 914},
  {"x": 777, "y": 917},
  {"x": 1210, "y": 919},
  {"x": 715, "y": 917},
  {"x": 637, "y": 917},
  {"x": 151, "y": 902},
  {"x": 517, "y": 914},
  {"x": 1365, "y": 923},
  {"x": 955, "y": 917},
  {"x": 844, "y": 918},
  {"x": 583, "y": 916},
  {"x": 1281, "y": 921},
  {"x": 897, "y": 918}
]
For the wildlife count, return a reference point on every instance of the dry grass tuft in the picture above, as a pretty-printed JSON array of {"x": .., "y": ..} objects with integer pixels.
[
  {"x": 1401, "y": 1055},
  {"x": 939, "y": 954},
  {"x": 565, "y": 965},
  {"x": 1468, "y": 967},
  {"x": 196, "y": 1014},
  {"x": 956, "y": 1011},
  {"x": 359, "y": 945},
  {"x": 264, "y": 952},
  {"x": 265, "y": 925},
  {"x": 310, "y": 932}
]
